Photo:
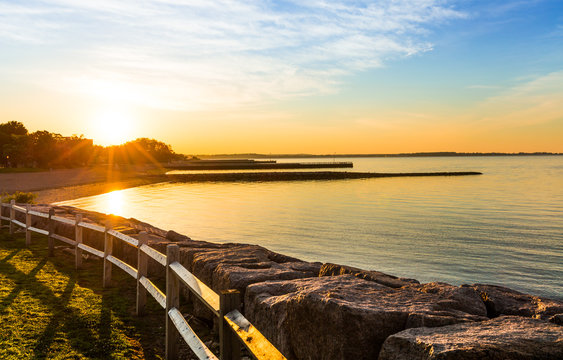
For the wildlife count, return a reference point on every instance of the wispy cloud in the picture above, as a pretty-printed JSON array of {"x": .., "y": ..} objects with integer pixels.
[
  {"x": 192, "y": 55},
  {"x": 531, "y": 102}
]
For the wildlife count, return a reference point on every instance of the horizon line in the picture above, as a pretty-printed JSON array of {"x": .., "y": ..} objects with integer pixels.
[{"x": 422, "y": 153}]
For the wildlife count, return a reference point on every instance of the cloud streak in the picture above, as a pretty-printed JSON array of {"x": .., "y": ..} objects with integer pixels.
[
  {"x": 194, "y": 55},
  {"x": 529, "y": 103}
]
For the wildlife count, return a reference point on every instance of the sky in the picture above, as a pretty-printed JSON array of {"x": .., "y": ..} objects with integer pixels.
[{"x": 320, "y": 77}]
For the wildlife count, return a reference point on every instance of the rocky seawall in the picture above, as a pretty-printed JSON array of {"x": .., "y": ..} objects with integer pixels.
[
  {"x": 310, "y": 310},
  {"x": 300, "y": 175}
]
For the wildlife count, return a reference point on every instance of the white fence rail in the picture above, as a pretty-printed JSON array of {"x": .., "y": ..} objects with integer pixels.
[{"x": 234, "y": 328}]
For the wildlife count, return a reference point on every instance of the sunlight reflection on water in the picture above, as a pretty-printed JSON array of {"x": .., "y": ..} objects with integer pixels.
[{"x": 113, "y": 202}]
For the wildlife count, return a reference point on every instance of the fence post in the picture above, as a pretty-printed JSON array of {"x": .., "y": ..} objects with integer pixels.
[
  {"x": 12, "y": 216},
  {"x": 27, "y": 225},
  {"x": 78, "y": 234},
  {"x": 172, "y": 301},
  {"x": 141, "y": 271},
  {"x": 51, "y": 227},
  {"x": 108, "y": 250},
  {"x": 3, "y": 213},
  {"x": 229, "y": 345}
]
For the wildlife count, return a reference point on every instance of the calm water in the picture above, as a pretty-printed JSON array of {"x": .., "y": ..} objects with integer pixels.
[{"x": 504, "y": 227}]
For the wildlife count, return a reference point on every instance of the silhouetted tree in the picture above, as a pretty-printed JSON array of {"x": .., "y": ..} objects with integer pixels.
[
  {"x": 74, "y": 151},
  {"x": 13, "y": 143},
  {"x": 45, "y": 149},
  {"x": 142, "y": 151},
  {"x": 13, "y": 128}
]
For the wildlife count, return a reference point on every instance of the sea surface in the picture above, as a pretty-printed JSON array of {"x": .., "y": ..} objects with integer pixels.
[{"x": 504, "y": 227}]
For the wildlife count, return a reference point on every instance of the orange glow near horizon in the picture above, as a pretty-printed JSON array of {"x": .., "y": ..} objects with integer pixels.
[{"x": 510, "y": 124}]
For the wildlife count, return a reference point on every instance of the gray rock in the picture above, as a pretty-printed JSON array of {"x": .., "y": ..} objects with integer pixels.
[
  {"x": 235, "y": 266},
  {"x": 500, "y": 300},
  {"x": 464, "y": 298},
  {"x": 174, "y": 236},
  {"x": 329, "y": 269},
  {"x": 342, "y": 317},
  {"x": 506, "y": 337}
]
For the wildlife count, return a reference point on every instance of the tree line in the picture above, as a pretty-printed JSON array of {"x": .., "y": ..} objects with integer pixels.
[{"x": 43, "y": 149}]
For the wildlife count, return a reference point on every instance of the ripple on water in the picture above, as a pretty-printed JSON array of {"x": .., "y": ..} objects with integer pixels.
[{"x": 504, "y": 227}]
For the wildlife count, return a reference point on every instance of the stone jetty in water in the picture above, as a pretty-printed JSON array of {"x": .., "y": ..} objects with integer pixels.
[{"x": 310, "y": 310}]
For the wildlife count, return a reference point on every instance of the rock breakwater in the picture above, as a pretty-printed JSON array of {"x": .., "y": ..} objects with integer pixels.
[{"x": 299, "y": 175}]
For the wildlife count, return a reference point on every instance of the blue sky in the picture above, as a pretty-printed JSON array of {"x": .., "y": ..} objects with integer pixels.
[{"x": 313, "y": 67}]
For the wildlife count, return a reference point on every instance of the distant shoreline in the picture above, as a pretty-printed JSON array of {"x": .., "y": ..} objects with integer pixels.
[{"x": 419, "y": 154}]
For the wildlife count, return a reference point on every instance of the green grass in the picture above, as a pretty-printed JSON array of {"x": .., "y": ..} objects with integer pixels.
[
  {"x": 19, "y": 197},
  {"x": 50, "y": 310}
]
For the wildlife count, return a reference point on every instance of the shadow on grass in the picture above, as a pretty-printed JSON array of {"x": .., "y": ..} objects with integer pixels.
[
  {"x": 109, "y": 331},
  {"x": 22, "y": 282},
  {"x": 45, "y": 340},
  {"x": 9, "y": 257}
]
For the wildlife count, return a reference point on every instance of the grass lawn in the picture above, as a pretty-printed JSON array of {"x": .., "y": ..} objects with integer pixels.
[{"x": 50, "y": 310}]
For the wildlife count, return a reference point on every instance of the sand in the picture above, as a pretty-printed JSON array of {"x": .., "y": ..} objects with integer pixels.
[{"x": 66, "y": 184}]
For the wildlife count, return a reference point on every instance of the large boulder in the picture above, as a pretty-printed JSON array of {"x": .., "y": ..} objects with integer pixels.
[
  {"x": 501, "y": 300},
  {"x": 343, "y": 317},
  {"x": 174, "y": 236},
  {"x": 329, "y": 269},
  {"x": 464, "y": 298},
  {"x": 506, "y": 337},
  {"x": 236, "y": 266}
]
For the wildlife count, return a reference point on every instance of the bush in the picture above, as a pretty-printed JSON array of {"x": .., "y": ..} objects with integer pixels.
[{"x": 20, "y": 197}]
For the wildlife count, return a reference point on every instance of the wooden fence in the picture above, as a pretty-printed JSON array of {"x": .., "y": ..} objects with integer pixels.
[{"x": 234, "y": 328}]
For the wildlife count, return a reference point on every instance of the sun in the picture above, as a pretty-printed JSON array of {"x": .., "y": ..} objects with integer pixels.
[{"x": 112, "y": 128}]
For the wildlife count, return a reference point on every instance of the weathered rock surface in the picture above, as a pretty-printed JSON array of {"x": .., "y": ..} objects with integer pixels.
[
  {"x": 174, "y": 236},
  {"x": 342, "y": 317},
  {"x": 464, "y": 298},
  {"x": 329, "y": 269},
  {"x": 500, "y": 300},
  {"x": 506, "y": 337},
  {"x": 235, "y": 266}
]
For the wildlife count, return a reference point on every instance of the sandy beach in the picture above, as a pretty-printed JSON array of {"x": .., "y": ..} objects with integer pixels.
[{"x": 66, "y": 184}]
